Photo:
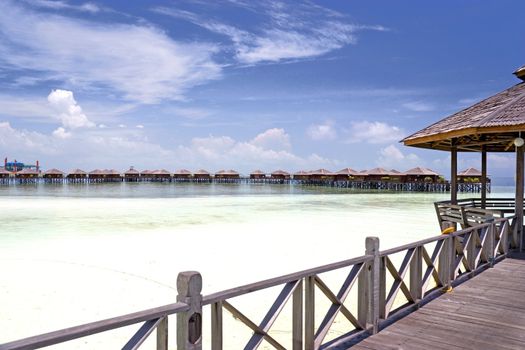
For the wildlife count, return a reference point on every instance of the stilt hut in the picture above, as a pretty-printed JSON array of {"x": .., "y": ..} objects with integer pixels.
[
  {"x": 53, "y": 174},
  {"x": 321, "y": 175},
  {"x": 496, "y": 124},
  {"x": 77, "y": 174},
  {"x": 202, "y": 175},
  {"x": 132, "y": 175},
  {"x": 4, "y": 174},
  {"x": 146, "y": 175},
  {"x": 257, "y": 175},
  {"x": 27, "y": 173},
  {"x": 379, "y": 175},
  {"x": 346, "y": 174},
  {"x": 301, "y": 175},
  {"x": 420, "y": 174},
  {"x": 161, "y": 175},
  {"x": 280, "y": 175},
  {"x": 96, "y": 175},
  {"x": 182, "y": 174},
  {"x": 227, "y": 174},
  {"x": 470, "y": 175}
]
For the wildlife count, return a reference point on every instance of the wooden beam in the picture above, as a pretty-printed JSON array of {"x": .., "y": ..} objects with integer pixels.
[
  {"x": 454, "y": 175},
  {"x": 519, "y": 193},
  {"x": 483, "y": 176}
]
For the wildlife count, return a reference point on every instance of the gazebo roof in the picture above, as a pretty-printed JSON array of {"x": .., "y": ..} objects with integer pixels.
[
  {"x": 77, "y": 172},
  {"x": 380, "y": 171},
  {"x": 257, "y": 172},
  {"x": 3, "y": 171},
  {"x": 53, "y": 172},
  {"x": 321, "y": 172},
  {"x": 201, "y": 172},
  {"x": 132, "y": 171},
  {"x": 182, "y": 172},
  {"x": 280, "y": 172},
  {"x": 493, "y": 123},
  {"x": 28, "y": 171}
]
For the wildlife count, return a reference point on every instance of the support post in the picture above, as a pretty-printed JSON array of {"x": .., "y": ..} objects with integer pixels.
[
  {"x": 519, "y": 194},
  {"x": 454, "y": 174},
  {"x": 216, "y": 326},
  {"x": 309, "y": 313},
  {"x": 189, "y": 324},
  {"x": 368, "y": 288},
  {"x": 490, "y": 241},
  {"x": 483, "y": 176},
  {"x": 297, "y": 318},
  {"x": 446, "y": 258}
]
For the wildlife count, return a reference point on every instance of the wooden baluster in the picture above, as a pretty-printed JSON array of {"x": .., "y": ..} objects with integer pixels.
[
  {"x": 416, "y": 275},
  {"x": 216, "y": 326},
  {"x": 490, "y": 241},
  {"x": 162, "y": 334},
  {"x": 189, "y": 324},
  {"x": 297, "y": 317},
  {"x": 309, "y": 315}
]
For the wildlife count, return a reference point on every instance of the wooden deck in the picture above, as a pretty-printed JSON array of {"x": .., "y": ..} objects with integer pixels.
[{"x": 486, "y": 312}]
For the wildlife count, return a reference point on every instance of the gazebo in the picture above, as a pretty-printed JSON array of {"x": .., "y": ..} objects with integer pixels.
[
  {"x": 280, "y": 175},
  {"x": 346, "y": 174},
  {"x": 257, "y": 174},
  {"x": 492, "y": 125},
  {"x": 131, "y": 175},
  {"x": 53, "y": 174},
  {"x": 77, "y": 174},
  {"x": 420, "y": 174}
]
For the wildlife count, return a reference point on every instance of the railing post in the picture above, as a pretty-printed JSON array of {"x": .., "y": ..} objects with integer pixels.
[
  {"x": 216, "y": 326},
  {"x": 445, "y": 262},
  {"x": 189, "y": 324},
  {"x": 490, "y": 241},
  {"x": 416, "y": 275},
  {"x": 162, "y": 334},
  {"x": 368, "y": 288}
]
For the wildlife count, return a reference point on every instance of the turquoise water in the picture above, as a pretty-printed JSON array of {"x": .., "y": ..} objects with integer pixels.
[{"x": 76, "y": 253}]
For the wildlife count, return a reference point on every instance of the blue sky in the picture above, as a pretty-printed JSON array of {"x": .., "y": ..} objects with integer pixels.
[{"x": 246, "y": 84}]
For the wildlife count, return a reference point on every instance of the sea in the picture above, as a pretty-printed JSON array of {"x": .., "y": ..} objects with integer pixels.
[{"x": 76, "y": 253}]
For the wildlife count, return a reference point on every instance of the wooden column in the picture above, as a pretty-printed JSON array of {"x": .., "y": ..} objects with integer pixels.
[
  {"x": 483, "y": 176},
  {"x": 454, "y": 174},
  {"x": 189, "y": 324},
  {"x": 519, "y": 192}
]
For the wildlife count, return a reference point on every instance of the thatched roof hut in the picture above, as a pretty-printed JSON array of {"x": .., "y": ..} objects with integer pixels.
[
  {"x": 131, "y": 173},
  {"x": 201, "y": 174},
  {"x": 77, "y": 174},
  {"x": 160, "y": 174},
  {"x": 347, "y": 174},
  {"x": 257, "y": 174},
  {"x": 494, "y": 124},
  {"x": 280, "y": 175},
  {"x": 27, "y": 173},
  {"x": 227, "y": 174},
  {"x": 321, "y": 174},
  {"x": 53, "y": 174},
  {"x": 420, "y": 174},
  {"x": 4, "y": 173},
  {"x": 182, "y": 174},
  {"x": 381, "y": 174},
  {"x": 301, "y": 175},
  {"x": 471, "y": 175}
]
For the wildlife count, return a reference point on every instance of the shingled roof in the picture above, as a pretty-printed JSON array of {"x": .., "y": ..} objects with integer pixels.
[{"x": 493, "y": 122}]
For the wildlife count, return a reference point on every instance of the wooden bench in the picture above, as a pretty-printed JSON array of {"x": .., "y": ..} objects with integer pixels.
[{"x": 465, "y": 216}]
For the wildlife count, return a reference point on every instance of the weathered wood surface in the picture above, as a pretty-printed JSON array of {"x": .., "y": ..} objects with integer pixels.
[{"x": 486, "y": 312}]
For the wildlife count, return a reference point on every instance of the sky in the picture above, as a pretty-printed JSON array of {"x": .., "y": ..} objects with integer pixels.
[{"x": 245, "y": 85}]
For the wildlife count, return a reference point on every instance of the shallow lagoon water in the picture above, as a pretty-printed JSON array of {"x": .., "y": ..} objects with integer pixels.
[{"x": 71, "y": 254}]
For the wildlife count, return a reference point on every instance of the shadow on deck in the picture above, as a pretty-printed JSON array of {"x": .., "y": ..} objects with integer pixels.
[{"x": 485, "y": 312}]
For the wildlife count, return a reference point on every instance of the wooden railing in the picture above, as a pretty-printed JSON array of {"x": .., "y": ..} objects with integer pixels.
[{"x": 434, "y": 265}]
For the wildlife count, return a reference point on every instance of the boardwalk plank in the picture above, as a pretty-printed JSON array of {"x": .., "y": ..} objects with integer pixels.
[{"x": 487, "y": 311}]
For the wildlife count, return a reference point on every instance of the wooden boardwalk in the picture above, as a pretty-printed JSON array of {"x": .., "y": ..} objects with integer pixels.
[{"x": 486, "y": 312}]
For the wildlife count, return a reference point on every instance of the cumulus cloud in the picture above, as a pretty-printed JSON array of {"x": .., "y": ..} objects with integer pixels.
[
  {"x": 68, "y": 111},
  {"x": 374, "y": 132},
  {"x": 143, "y": 63},
  {"x": 61, "y": 133},
  {"x": 392, "y": 157},
  {"x": 272, "y": 139},
  {"x": 320, "y": 132}
]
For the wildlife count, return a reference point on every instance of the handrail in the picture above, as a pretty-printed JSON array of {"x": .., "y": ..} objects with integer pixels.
[
  {"x": 272, "y": 282},
  {"x": 76, "y": 332},
  {"x": 460, "y": 254}
]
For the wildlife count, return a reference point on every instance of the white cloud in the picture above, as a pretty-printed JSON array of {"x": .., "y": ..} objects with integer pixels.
[
  {"x": 392, "y": 157},
  {"x": 62, "y": 5},
  {"x": 61, "y": 133},
  {"x": 122, "y": 126},
  {"x": 272, "y": 139},
  {"x": 14, "y": 141},
  {"x": 69, "y": 112},
  {"x": 374, "y": 132},
  {"x": 287, "y": 31},
  {"x": 190, "y": 113},
  {"x": 419, "y": 106},
  {"x": 320, "y": 132},
  {"x": 143, "y": 64},
  {"x": 139, "y": 126}
]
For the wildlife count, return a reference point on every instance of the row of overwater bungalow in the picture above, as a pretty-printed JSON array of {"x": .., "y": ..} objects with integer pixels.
[{"x": 415, "y": 179}]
